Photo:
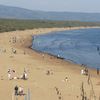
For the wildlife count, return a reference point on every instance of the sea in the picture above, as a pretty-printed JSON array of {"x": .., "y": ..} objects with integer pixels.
[{"x": 78, "y": 46}]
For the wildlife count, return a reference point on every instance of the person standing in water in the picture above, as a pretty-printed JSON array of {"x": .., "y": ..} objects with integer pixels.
[{"x": 98, "y": 49}]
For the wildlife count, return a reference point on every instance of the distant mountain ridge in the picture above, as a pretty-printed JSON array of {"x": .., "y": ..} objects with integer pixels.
[{"x": 21, "y": 13}]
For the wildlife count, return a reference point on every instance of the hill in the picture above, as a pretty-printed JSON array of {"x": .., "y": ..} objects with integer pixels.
[{"x": 21, "y": 13}]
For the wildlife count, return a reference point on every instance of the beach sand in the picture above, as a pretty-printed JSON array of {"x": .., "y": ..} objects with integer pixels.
[{"x": 46, "y": 74}]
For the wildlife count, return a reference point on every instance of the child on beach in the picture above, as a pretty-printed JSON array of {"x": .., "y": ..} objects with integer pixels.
[{"x": 21, "y": 92}]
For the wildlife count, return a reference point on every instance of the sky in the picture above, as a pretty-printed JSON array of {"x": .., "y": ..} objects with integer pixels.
[{"x": 56, "y": 5}]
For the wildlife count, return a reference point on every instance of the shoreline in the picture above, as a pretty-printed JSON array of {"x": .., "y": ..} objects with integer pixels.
[
  {"x": 42, "y": 31},
  {"x": 63, "y": 59},
  {"x": 42, "y": 85},
  {"x": 66, "y": 60}
]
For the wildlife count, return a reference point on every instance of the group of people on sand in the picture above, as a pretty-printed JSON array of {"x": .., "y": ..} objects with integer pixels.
[
  {"x": 49, "y": 72},
  {"x": 84, "y": 71},
  {"x": 11, "y": 75},
  {"x": 19, "y": 90},
  {"x": 13, "y": 39}
]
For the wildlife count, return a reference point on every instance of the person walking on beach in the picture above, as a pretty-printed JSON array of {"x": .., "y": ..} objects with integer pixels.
[
  {"x": 16, "y": 90},
  {"x": 24, "y": 76},
  {"x": 97, "y": 71},
  {"x": 9, "y": 74},
  {"x": 88, "y": 81}
]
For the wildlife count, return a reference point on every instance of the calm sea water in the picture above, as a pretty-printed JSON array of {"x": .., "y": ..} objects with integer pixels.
[{"x": 80, "y": 46}]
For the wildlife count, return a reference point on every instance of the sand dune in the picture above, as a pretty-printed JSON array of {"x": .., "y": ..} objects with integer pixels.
[{"x": 46, "y": 74}]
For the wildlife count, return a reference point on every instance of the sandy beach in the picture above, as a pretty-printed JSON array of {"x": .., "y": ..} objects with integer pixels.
[{"x": 49, "y": 78}]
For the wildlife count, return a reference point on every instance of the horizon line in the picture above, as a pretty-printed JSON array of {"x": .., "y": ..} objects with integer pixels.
[{"x": 62, "y": 11}]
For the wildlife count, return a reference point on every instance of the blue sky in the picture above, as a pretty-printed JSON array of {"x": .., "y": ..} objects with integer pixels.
[{"x": 56, "y": 5}]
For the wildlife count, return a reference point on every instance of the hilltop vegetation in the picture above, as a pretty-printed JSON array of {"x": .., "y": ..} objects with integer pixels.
[{"x": 12, "y": 25}]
